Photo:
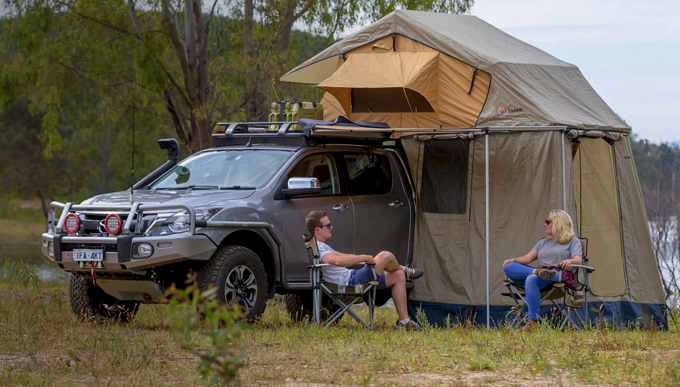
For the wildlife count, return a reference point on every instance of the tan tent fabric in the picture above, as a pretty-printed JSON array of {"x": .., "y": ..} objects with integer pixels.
[
  {"x": 525, "y": 175},
  {"x": 598, "y": 215},
  {"x": 413, "y": 70},
  {"x": 525, "y": 183},
  {"x": 423, "y": 70},
  {"x": 644, "y": 283},
  {"x": 525, "y": 86}
]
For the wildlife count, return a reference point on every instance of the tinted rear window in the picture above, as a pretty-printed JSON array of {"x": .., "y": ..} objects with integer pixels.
[{"x": 369, "y": 173}]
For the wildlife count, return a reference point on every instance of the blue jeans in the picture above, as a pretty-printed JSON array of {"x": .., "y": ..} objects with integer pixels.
[{"x": 521, "y": 275}]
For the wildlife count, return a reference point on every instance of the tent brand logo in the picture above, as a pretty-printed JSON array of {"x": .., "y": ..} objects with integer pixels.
[
  {"x": 623, "y": 157},
  {"x": 505, "y": 112}
]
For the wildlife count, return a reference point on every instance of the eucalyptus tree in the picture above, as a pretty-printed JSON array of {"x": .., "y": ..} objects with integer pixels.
[{"x": 197, "y": 62}]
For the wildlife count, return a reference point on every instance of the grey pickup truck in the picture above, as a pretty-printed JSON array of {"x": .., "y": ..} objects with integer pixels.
[{"x": 233, "y": 216}]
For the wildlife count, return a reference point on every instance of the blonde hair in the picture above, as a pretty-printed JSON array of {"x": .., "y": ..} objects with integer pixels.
[{"x": 562, "y": 227}]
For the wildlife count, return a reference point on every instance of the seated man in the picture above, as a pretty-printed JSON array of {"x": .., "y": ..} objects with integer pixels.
[{"x": 386, "y": 267}]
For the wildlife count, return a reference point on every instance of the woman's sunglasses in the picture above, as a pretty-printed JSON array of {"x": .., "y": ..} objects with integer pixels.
[{"x": 547, "y": 222}]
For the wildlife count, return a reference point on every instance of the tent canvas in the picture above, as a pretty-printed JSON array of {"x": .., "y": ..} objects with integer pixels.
[
  {"x": 489, "y": 77},
  {"x": 549, "y": 142},
  {"x": 525, "y": 182}
]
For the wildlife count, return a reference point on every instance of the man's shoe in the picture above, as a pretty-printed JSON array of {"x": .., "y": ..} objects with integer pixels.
[
  {"x": 545, "y": 274},
  {"x": 412, "y": 274},
  {"x": 409, "y": 326}
]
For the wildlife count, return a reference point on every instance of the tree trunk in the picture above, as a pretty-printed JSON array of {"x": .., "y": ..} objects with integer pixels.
[
  {"x": 287, "y": 27},
  {"x": 42, "y": 203}
]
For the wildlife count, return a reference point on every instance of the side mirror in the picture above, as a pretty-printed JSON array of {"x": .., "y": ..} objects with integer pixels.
[{"x": 301, "y": 186}]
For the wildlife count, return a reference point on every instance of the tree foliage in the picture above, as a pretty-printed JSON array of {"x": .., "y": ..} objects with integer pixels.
[{"x": 199, "y": 62}]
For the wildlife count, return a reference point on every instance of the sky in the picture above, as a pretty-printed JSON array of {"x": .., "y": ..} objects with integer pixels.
[{"x": 629, "y": 51}]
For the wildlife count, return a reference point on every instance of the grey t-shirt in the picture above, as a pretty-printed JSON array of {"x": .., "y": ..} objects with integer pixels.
[
  {"x": 551, "y": 252},
  {"x": 334, "y": 274}
]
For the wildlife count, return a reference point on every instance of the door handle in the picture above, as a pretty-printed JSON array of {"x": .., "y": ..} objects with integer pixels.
[
  {"x": 396, "y": 204},
  {"x": 340, "y": 207}
]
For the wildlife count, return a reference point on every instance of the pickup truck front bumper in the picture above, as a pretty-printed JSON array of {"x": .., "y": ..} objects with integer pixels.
[{"x": 118, "y": 250}]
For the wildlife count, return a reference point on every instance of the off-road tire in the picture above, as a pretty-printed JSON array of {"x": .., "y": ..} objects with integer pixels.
[
  {"x": 90, "y": 303},
  {"x": 299, "y": 307},
  {"x": 223, "y": 263}
]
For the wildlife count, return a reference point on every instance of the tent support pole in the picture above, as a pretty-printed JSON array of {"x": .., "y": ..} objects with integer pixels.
[
  {"x": 486, "y": 178},
  {"x": 564, "y": 179}
]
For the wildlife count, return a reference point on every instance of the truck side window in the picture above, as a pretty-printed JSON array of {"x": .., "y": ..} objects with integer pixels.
[
  {"x": 320, "y": 166},
  {"x": 445, "y": 177},
  {"x": 369, "y": 173}
]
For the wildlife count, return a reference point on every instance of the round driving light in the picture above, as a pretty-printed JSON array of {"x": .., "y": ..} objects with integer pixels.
[
  {"x": 50, "y": 249},
  {"x": 112, "y": 223},
  {"x": 71, "y": 223},
  {"x": 144, "y": 250}
]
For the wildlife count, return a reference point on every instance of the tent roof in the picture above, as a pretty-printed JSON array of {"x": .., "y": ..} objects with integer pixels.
[{"x": 536, "y": 87}]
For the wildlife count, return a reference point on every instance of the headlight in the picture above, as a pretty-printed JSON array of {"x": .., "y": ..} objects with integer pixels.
[{"x": 179, "y": 222}]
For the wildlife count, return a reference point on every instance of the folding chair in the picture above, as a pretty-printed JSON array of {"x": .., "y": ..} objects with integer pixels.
[
  {"x": 517, "y": 294},
  {"x": 575, "y": 299},
  {"x": 345, "y": 299}
]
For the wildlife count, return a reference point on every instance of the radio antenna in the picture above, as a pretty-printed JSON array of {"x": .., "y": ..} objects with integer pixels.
[{"x": 132, "y": 168}]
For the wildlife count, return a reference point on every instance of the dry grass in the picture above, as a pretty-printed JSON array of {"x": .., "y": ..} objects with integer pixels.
[{"x": 42, "y": 343}]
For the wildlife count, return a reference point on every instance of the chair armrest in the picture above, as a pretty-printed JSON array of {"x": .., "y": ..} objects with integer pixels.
[
  {"x": 367, "y": 263},
  {"x": 586, "y": 268},
  {"x": 318, "y": 265}
]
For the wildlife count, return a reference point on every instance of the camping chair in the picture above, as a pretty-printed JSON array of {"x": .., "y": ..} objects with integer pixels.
[
  {"x": 577, "y": 298},
  {"x": 345, "y": 298},
  {"x": 517, "y": 294}
]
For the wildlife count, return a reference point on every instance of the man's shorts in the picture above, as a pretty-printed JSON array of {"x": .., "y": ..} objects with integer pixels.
[{"x": 363, "y": 275}]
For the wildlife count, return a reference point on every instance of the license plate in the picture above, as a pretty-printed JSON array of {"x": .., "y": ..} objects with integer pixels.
[{"x": 88, "y": 255}]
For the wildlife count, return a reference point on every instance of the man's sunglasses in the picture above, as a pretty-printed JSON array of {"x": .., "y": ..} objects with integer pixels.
[
  {"x": 326, "y": 225},
  {"x": 547, "y": 222}
]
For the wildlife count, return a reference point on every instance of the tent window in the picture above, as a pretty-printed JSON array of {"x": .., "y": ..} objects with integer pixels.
[
  {"x": 445, "y": 177},
  {"x": 388, "y": 100}
]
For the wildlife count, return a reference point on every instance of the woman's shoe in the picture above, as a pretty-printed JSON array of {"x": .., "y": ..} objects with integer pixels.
[{"x": 545, "y": 274}]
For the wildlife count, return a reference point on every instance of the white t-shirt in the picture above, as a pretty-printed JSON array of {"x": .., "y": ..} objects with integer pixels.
[{"x": 334, "y": 274}]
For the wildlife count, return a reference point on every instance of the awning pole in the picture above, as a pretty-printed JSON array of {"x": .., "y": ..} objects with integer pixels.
[
  {"x": 486, "y": 177},
  {"x": 564, "y": 179}
]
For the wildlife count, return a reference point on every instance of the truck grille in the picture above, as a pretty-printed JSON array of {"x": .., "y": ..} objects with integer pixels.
[{"x": 108, "y": 248}]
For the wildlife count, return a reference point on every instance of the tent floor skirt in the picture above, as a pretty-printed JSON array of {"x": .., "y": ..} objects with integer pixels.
[{"x": 623, "y": 314}]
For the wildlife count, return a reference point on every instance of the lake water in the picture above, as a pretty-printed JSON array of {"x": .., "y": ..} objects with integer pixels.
[{"x": 31, "y": 254}]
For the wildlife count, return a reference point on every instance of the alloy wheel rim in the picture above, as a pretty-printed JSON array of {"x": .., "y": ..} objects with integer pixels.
[{"x": 241, "y": 288}]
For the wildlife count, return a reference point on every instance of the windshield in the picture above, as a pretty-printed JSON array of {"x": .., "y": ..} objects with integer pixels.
[{"x": 224, "y": 169}]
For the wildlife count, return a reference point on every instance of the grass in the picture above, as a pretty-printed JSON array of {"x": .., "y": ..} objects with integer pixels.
[
  {"x": 42, "y": 343},
  {"x": 18, "y": 231}
]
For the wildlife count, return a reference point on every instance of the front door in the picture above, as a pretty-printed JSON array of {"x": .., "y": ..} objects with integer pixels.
[{"x": 337, "y": 205}]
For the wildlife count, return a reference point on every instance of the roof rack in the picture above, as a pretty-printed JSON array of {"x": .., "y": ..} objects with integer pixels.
[{"x": 289, "y": 133}]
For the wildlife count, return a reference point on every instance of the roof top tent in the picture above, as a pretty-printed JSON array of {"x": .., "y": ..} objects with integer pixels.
[{"x": 446, "y": 82}]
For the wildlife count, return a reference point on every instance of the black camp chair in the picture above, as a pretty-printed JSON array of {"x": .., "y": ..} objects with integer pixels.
[
  {"x": 577, "y": 299},
  {"x": 572, "y": 299},
  {"x": 345, "y": 299},
  {"x": 517, "y": 294}
]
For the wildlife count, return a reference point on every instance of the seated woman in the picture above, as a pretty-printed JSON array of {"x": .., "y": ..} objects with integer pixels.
[{"x": 555, "y": 255}]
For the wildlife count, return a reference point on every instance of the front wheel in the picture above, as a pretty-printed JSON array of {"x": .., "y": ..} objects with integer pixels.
[
  {"x": 89, "y": 302},
  {"x": 240, "y": 278}
]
